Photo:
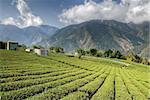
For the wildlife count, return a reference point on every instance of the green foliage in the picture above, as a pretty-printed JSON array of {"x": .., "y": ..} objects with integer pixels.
[
  {"x": 117, "y": 54},
  {"x": 37, "y": 46},
  {"x": 93, "y": 52},
  {"x": 76, "y": 96},
  {"x": 113, "y": 54},
  {"x": 122, "y": 92},
  {"x": 145, "y": 61},
  {"x": 135, "y": 58},
  {"x": 93, "y": 86},
  {"x": 56, "y": 49},
  {"x": 27, "y": 76},
  {"x": 106, "y": 92},
  {"x": 99, "y": 54},
  {"x": 131, "y": 86},
  {"x": 80, "y": 52},
  {"x": 108, "y": 53},
  {"x": 21, "y": 47}
]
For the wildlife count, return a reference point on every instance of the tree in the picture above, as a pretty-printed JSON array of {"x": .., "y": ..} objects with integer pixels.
[
  {"x": 21, "y": 47},
  {"x": 130, "y": 56},
  {"x": 37, "y": 46},
  {"x": 123, "y": 57},
  {"x": 56, "y": 49},
  {"x": 93, "y": 52},
  {"x": 59, "y": 50},
  {"x": 108, "y": 53},
  {"x": 145, "y": 61},
  {"x": 80, "y": 52},
  {"x": 138, "y": 59},
  {"x": 117, "y": 54},
  {"x": 87, "y": 52},
  {"x": 133, "y": 57},
  {"x": 99, "y": 54},
  {"x": 51, "y": 48}
]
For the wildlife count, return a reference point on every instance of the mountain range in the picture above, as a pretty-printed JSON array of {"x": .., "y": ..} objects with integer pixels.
[
  {"x": 29, "y": 36},
  {"x": 100, "y": 34},
  {"x": 104, "y": 34}
]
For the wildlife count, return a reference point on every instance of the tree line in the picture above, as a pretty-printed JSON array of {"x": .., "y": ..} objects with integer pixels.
[{"x": 112, "y": 53}]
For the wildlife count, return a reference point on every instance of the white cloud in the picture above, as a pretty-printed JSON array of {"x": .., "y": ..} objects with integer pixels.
[
  {"x": 25, "y": 19},
  {"x": 8, "y": 20},
  {"x": 126, "y": 11}
]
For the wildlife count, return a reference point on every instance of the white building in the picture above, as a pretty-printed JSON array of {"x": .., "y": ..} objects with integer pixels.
[
  {"x": 29, "y": 50},
  {"x": 76, "y": 54},
  {"x": 41, "y": 52}
]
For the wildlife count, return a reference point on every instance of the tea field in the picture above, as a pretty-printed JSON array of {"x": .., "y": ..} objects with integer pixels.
[{"x": 26, "y": 76}]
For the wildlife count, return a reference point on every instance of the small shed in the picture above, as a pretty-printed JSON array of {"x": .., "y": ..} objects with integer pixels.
[
  {"x": 29, "y": 50},
  {"x": 41, "y": 52},
  {"x": 9, "y": 45},
  {"x": 76, "y": 54},
  {"x": 12, "y": 45}
]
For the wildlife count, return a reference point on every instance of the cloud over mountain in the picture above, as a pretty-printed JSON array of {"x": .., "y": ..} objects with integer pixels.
[
  {"x": 26, "y": 17},
  {"x": 135, "y": 11}
]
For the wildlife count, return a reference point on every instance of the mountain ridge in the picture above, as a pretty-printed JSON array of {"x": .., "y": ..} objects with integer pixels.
[
  {"x": 29, "y": 36},
  {"x": 100, "y": 34},
  {"x": 106, "y": 34}
]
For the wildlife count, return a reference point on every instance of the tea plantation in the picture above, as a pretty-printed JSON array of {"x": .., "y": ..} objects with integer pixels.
[{"x": 26, "y": 76}]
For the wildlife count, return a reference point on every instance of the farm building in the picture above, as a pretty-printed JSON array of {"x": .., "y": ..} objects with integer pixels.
[
  {"x": 12, "y": 45},
  {"x": 9, "y": 45},
  {"x": 41, "y": 52},
  {"x": 3, "y": 45},
  {"x": 29, "y": 50},
  {"x": 76, "y": 54}
]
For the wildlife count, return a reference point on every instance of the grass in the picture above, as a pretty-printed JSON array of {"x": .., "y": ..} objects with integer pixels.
[{"x": 57, "y": 76}]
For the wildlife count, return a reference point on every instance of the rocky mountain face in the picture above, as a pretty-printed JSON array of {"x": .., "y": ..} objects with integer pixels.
[
  {"x": 106, "y": 34},
  {"x": 144, "y": 33}
]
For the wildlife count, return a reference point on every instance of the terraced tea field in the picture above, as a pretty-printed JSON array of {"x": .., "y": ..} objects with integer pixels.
[{"x": 30, "y": 77}]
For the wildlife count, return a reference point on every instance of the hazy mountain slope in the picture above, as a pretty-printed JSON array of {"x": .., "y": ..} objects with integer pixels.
[
  {"x": 29, "y": 36},
  {"x": 13, "y": 33},
  {"x": 107, "y": 34}
]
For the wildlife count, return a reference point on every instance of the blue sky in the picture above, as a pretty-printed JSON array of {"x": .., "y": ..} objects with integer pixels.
[
  {"x": 52, "y": 12},
  {"x": 48, "y": 10}
]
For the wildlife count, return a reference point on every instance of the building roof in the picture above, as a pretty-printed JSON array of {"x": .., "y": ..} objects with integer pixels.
[
  {"x": 13, "y": 41},
  {"x": 9, "y": 41}
]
